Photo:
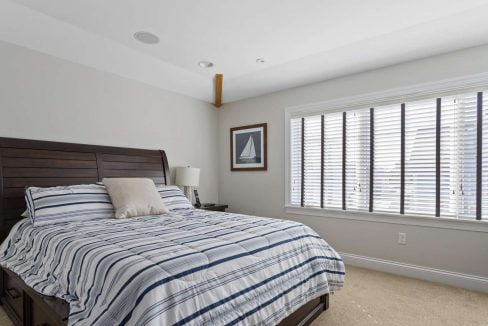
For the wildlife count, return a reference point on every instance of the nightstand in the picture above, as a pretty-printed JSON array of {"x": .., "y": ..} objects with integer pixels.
[{"x": 216, "y": 207}]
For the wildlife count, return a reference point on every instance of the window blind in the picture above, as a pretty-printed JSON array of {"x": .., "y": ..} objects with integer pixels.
[
  {"x": 458, "y": 156},
  {"x": 387, "y": 155},
  {"x": 427, "y": 157},
  {"x": 296, "y": 161},
  {"x": 312, "y": 160},
  {"x": 333, "y": 160},
  {"x": 420, "y": 157},
  {"x": 357, "y": 159}
]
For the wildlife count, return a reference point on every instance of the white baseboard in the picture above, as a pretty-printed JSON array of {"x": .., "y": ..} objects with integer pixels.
[{"x": 470, "y": 282}]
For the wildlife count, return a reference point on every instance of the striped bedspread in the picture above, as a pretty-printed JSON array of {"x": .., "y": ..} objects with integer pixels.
[{"x": 192, "y": 267}]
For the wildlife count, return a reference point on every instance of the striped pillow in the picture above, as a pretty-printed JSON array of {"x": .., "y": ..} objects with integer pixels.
[
  {"x": 173, "y": 198},
  {"x": 66, "y": 204}
]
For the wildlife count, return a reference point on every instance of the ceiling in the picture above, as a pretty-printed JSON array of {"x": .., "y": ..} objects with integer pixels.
[{"x": 302, "y": 41}]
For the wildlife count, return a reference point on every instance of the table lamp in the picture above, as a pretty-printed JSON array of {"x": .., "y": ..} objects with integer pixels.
[{"x": 188, "y": 177}]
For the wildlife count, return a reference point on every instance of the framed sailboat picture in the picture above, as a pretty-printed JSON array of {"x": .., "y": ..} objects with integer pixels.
[{"x": 249, "y": 147}]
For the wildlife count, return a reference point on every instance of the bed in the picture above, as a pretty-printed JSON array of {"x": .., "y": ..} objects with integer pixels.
[{"x": 220, "y": 281}]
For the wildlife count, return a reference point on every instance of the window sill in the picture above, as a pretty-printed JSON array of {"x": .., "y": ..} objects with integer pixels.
[{"x": 424, "y": 221}]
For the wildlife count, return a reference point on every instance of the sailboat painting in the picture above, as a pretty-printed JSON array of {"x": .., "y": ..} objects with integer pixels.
[
  {"x": 249, "y": 148},
  {"x": 249, "y": 152}
]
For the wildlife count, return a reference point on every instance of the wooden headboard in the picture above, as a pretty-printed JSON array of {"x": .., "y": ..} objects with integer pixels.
[{"x": 43, "y": 164}]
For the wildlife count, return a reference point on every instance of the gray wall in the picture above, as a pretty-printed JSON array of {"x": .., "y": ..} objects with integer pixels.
[
  {"x": 263, "y": 193},
  {"x": 43, "y": 97}
]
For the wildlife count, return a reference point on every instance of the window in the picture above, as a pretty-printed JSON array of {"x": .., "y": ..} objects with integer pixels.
[
  {"x": 427, "y": 157},
  {"x": 312, "y": 160},
  {"x": 420, "y": 158},
  {"x": 458, "y": 156},
  {"x": 357, "y": 159},
  {"x": 296, "y": 162},
  {"x": 333, "y": 160},
  {"x": 387, "y": 159}
]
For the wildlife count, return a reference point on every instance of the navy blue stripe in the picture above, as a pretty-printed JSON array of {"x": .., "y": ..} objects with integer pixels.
[
  {"x": 221, "y": 276},
  {"x": 212, "y": 233},
  {"x": 74, "y": 204},
  {"x": 103, "y": 283},
  {"x": 249, "y": 270},
  {"x": 267, "y": 303},
  {"x": 146, "y": 268},
  {"x": 72, "y": 194},
  {"x": 247, "y": 239},
  {"x": 188, "y": 272},
  {"x": 33, "y": 204},
  {"x": 244, "y": 291},
  {"x": 29, "y": 205}
]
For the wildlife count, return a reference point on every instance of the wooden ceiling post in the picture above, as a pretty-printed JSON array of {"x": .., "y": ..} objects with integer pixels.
[{"x": 218, "y": 90}]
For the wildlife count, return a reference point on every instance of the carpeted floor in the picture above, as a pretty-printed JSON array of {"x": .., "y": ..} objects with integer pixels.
[
  {"x": 374, "y": 298},
  {"x": 4, "y": 320}
]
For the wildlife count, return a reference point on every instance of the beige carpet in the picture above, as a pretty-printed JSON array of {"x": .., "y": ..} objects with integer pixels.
[
  {"x": 4, "y": 320},
  {"x": 374, "y": 298}
]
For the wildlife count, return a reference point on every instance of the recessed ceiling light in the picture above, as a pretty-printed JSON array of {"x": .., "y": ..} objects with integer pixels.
[
  {"x": 146, "y": 37},
  {"x": 205, "y": 64},
  {"x": 260, "y": 60}
]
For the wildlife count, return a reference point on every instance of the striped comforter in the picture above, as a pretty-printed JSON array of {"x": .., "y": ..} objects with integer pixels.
[{"x": 192, "y": 267}]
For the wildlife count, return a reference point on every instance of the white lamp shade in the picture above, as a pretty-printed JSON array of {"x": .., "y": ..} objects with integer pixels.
[{"x": 187, "y": 176}]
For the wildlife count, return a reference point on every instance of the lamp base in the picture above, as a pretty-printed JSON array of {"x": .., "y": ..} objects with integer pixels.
[{"x": 189, "y": 193}]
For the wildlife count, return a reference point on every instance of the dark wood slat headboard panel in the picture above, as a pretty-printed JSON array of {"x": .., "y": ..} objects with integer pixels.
[{"x": 43, "y": 163}]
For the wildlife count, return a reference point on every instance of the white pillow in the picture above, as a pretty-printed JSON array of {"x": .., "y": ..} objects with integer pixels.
[{"x": 134, "y": 197}]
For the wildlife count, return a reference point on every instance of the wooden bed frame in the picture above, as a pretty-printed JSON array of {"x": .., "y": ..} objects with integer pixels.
[{"x": 41, "y": 163}]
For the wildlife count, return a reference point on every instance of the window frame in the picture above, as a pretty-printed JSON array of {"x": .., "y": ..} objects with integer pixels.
[{"x": 470, "y": 83}]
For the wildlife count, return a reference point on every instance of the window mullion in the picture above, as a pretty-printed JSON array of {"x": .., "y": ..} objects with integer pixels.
[
  {"x": 402, "y": 160},
  {"x": 344, "y": 161},
  {"x": 438, "y": 159},
  {"x": 302, "y": 195},
  {"x": 371, "y": 158},
  {"x": 322, "y": 163},
  {"x": 479, "y": 153}
]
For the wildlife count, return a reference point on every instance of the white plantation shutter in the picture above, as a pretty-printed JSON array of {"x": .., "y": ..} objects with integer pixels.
[
  {"x": 458, "y": 156},
  {"x": 484, "y": 164},
  {"x": 312, "y": 160},
  {"x": 420, "y": 157},
  {"x": 296, "y": 161},
  {"x": 357, "y": 159},
  {"x": 333, "y": 160},
  {"x": 387, "y": 143}
]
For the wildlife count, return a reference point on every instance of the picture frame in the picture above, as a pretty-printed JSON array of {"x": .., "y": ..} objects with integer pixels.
[{"x": 249, "y": 148}]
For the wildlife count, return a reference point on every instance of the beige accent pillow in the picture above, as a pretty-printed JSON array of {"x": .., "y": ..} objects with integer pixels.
[{"x": 134, "y": 197}]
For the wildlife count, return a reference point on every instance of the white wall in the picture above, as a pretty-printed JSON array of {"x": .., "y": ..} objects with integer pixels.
[
  {"x": 262, "y": 193},
  {"x": 46, "y": 98}
]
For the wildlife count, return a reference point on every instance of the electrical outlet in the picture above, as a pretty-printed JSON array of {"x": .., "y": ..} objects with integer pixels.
[{"x": 402, "y": 238}]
